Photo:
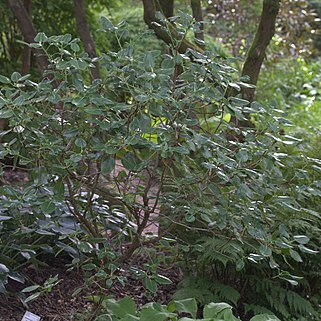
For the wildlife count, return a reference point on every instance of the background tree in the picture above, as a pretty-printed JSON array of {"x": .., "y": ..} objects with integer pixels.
[
  {"x": 28, "y": 31},
  {"x": 257, "y": 51},
  {"x": 84, "y": 33}
]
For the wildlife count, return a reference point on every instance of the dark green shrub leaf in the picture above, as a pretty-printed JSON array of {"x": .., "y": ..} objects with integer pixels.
[
  {"x": 306, "y": 250},
  {"x": 5, "y": 218},
  {"x": 32, "y": 297},
  {"x": 107, "y": 165},
  {"x": 295, "y": 256},
  {"x": 160, "y": 279},
  {"x": 186, "y": 306},
  {"x": 30, "y": 288},
  {"x": 265, "y": 317},
  {"x": 121, "y": 308},
  {"x": 150, "y": 284},
  {"x": 3, "y": 269},
  {"x": 48, "y": 207},
  {"x": 15, "y": 76},
  {"x": 59, "y": 189},
  {"x": 80, "y": 142},
  {"x": 265, "y": 251},
  {"x": 41, "y": 37},
  {"x": 89, "y": 267},
  {"x": 106, "y": 23},
  {"x": 4, "y": 80},
  {"x": 6, "y": 113}
]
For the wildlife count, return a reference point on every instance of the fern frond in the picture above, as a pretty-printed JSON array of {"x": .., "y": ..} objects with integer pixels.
[
  {"x": 299, "y": 305},
  {"x": 256, "y": 309},
  {"x": 225, "y": 292},
  {"x": 220, "y": 250}
]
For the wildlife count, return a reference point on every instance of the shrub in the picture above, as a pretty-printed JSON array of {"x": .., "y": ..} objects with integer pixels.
[{"x": 228, "y": 195}]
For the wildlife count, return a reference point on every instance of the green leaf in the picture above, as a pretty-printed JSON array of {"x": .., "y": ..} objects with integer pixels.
[
  {"x": 151, "y": 314},
  {"x": 295, "y": 256},
  {"x": 32, "y": 297},
  {"x": 150, "y": 284},
  {"x": 160, "y": 279},
  {"x": 79, "y": 64},
  {"x": 6, "y": 113},
  {"x": 242, "y": 155},
  {"x": 306, "y": 250},
  {"x": 4, "y": 80},
  {"x": 265, "y": 317},
  {"x": 89, "y": 267},
  {"x": 59, "y": 189},
  {"x": 15, "y": 76},
  {"x": 168, "y": 63},
  {"x": 66, "y": 38},
  {"x": 5, "y": 218},
  {"x": 85, "y": 247},
  {"x": 302, "y": 239},
  {"x": 316, "y": 168},
  {"x": 74, "y": 47},
  {"x": 265, "y": 250},
  {"x": 3, "y": 269},
  {"x": 129, "y": 318},
  {"x": 80, "y": 142},
  {"x": 149, "y": 60},
  {"x": 2, "y": 102},
  {"x": 30, "y": 288},
  {"x": 41, "y": 37},
  {"x": 107, "y": 24},
  {"x": 129, "y": 161},
  {"x": 236, "y": 86},
  {"x": 219, "y": 310},
  {"x": 187, "y": 306},
  {"x": 48, "y": 207},
  {"x": 16, "y": 277},
  {"x": 23, "y": 78},
  {"x": 107, "y": 165},
  {"x": 190, "y": 217},
  {"x": 121, "y": 308},
  {"x": 76, "y": 158}
]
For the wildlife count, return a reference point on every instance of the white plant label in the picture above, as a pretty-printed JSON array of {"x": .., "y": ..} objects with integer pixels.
[{"x": 28, "y": 316}]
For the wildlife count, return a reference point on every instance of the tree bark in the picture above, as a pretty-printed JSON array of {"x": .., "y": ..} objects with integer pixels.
[
  {"x": 256, "y": 53},
  {"x": 255, "y": 56},
  {"x": 84, "y": 33},
  {"x": 198, "y": 16},
  {"x": 166, "y": 35},
  {"x": 166, "y": 7},
  {"x": 26, "y": 55},
  {"x": 28, "y": 31}
]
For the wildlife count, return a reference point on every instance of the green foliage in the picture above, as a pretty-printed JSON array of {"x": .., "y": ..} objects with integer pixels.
[
  {"x": 205, "y": 291},
  {"x": 137, "y": 33},
  {"x": 152, "y": 139},
  {"x": 296, "y": 90},
  {"x": 126, "y": 310}
]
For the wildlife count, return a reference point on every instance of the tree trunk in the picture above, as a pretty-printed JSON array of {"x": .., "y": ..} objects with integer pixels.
[
  {"x": 28, "y": 31},
  {"x": 166, "y": 7},
  {"x": 84, "y": 33},
  {"x": 26, "y": 55},
  {"x": 255, "y": 56},
  {"x": 198, "y": 16},
  {"x": 256, "y": 53},
  {"x": 168, "y": 34}
]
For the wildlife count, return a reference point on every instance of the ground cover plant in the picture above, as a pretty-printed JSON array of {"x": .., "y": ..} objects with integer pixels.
[{"x": 157, "y": 142}]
